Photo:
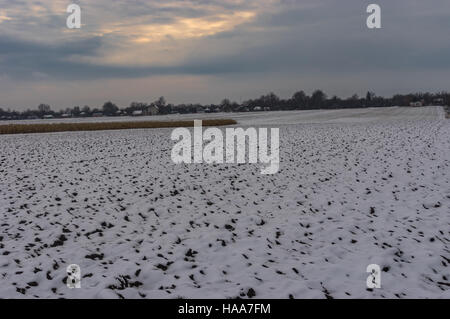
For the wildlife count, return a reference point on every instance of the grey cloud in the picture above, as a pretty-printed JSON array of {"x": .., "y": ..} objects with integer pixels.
[{"x": 322, "y": 37}]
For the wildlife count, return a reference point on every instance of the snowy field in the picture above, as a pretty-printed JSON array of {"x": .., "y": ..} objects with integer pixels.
[
  {"x": 261, "y": 118},
  {"x": 355, "y": 187}
]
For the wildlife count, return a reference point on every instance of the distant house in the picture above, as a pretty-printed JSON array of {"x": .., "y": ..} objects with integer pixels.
[
  {"x": 151, "y": 110},
  {"x": 438, "y": 101},
  {"x": 48, "y": 116},
  {"x": 200, "y": 109},
  {"x": 97, "y": 114},
  {"x": 65, "y": 115},
  {"x": 257, "y": 108},
  {"x": 416, "y": 104},
  {"x": 137, "y": 113}
]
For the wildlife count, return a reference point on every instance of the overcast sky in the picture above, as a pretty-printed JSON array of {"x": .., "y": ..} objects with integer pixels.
[{"x": 206, "y": 50}]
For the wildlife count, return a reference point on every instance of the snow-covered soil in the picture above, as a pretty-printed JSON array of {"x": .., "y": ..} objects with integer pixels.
[{"x": 355, "y": 187}]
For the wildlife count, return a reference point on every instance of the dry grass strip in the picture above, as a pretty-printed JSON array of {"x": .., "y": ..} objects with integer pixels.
[{"x": 100, "y": 126}]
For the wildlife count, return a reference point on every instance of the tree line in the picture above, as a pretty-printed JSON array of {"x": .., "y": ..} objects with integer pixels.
[{"x": 269, "y": 102}]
